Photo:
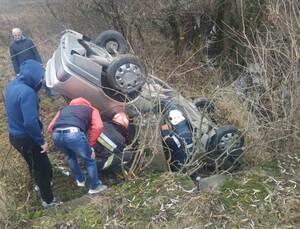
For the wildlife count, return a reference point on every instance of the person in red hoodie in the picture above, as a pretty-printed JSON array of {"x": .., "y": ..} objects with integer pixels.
[{"x": 75, "y": 129}]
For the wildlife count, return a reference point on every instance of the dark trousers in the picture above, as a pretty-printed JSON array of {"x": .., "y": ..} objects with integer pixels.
[{"x": 38, "y": 163}]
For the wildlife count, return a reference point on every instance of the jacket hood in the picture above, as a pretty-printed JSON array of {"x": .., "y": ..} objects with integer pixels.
[
  {"x": 31, "y": 73},
  {"x": 80, "y": 101}
]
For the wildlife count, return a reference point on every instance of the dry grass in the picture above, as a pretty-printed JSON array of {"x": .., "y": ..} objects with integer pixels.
[{"x": 272, "y": 141}]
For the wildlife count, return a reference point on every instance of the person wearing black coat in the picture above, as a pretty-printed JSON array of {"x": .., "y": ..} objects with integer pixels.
[
  {"x": 21, "y": 49},
  {"x": 110, "y": 154}
]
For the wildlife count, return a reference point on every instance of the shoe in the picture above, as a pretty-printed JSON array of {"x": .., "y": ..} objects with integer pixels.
[
  {"x": 80, "y": 184},
  {"x": 52, "y": 204},
  {"x": 36, "y": 188},
  {"x": 100, "y": 188}
]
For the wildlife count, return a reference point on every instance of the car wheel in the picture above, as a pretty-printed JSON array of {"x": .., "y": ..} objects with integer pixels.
[
  {"x": 225, "y": 149},
  {"x": 204, "y": 105},
  {"x": 112, "y": 40},
  {"x": 126, "y": 73}
]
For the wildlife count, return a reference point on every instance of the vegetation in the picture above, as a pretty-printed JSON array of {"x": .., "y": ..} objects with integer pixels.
[{"x": 172, "y": 36}]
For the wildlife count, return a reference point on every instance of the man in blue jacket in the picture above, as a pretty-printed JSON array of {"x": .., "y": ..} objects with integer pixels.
[
  {"x": 177, "y": 137},
  {"x": 25, "y": 127},
  {"x": 21, "y": 49}
]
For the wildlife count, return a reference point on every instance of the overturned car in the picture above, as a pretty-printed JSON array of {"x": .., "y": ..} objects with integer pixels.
[{"x": 114, "y": 81}]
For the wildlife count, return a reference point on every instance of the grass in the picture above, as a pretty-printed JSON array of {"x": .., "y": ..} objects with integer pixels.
[
  {"x": 154, "y": 200},
  {"x": 271, "y": 167},
  {"x": 264, "y": 196},
  {"x": 248, "y": 193},
  {"x": 257, "y": 197},
  {"x": 141, "y": 200},
  {"x": 255, "y": 200},
  {"x": 85, "y": 216},
  {"x": 65, "y": 188},
  {"x": 132, "y": 204}
]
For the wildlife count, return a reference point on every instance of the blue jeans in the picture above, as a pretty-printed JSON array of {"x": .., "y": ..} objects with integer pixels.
[{"x": 74, "y": 145}]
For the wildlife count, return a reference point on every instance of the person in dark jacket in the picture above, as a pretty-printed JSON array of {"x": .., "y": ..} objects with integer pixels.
[
  {"x": 177, "y": 137},
  {"x": 75, "y": 129},
  {"x": 21, "y": 49},
  {"x": 111, "y": 144},
  {"x": 25, "y": 127}
]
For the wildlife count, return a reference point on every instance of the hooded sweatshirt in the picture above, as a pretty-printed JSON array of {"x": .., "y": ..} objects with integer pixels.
[
  {"x": 80, "y": 113},
  {"x": 21, "y": 50},
  {"x": 21, "y": 102}
]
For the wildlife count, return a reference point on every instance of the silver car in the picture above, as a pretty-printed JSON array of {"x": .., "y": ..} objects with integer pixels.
[{"x": 114, "y": 81}]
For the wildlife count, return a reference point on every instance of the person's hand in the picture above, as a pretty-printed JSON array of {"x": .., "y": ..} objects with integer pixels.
[
  {"x": 165, "y": 127},
  {"x": 44, "y": 148},
  {"x": 93, "y": 155}
]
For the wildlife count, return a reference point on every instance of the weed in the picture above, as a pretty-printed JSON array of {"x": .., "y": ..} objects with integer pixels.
[{"x": 251, "y": 191}]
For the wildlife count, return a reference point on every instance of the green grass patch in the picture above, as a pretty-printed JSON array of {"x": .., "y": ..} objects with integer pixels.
[
  {"x": 138, "y": 201},
  {"x": 65, "y": 188},
  {"x": 271, "y": 167},
  {"x": 84, "y": 217},
  {"x": 81, "y": 217},
  {"x": 247, "y": 193}
]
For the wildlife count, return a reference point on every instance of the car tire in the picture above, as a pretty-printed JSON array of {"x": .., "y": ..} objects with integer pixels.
[
  {"x": 220, "y": 156},
  {"x": 108, "y": 36},
  {"x": 204, "y": 105},
  {"x": 126, "y": 74}
]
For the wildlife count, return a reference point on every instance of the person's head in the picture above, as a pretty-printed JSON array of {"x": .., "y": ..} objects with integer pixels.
[
  {"x": 32, "y": 73},
  {"x": 121, "y": 119},
  {"x": 17, "y": 34},
  {"x": 175, "y": 117}
]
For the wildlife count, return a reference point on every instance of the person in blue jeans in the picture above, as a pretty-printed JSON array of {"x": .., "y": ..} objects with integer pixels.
[{"x": 75, "y": 129}]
